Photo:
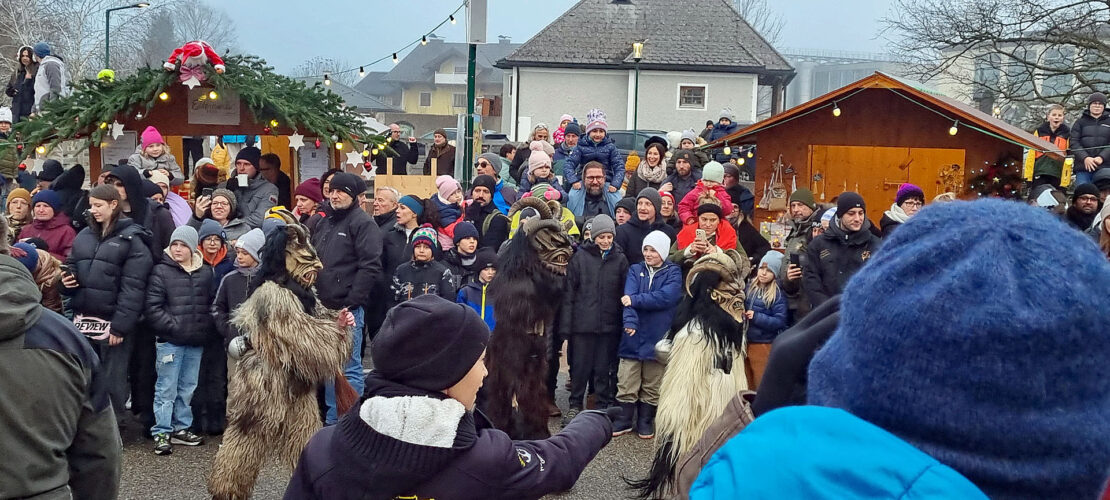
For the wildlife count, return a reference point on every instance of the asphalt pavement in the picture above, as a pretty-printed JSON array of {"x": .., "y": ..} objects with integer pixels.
[{"x": 182, "y": 475}]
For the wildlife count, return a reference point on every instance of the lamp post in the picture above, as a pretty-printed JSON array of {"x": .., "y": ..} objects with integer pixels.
[
  {"x": 637, "y": 54},
  {"x": 108, "y": 24}
]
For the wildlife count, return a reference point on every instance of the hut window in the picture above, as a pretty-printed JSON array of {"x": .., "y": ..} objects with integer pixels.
[{"x": 691, "y": 96}]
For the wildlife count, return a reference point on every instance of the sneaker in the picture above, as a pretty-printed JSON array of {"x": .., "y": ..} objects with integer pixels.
[
  {"x": 569, "y": 415},
  {"x": 162, "y": 445},
  {"x": 553, "y": 410},
  {"x": 186, "y": 438}
]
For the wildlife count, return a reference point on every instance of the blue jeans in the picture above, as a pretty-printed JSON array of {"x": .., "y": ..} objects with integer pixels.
[
  {"x": 352, "y": 371},
  {"x": 1082, "y": 176},
  {"x": 178, "y": 367}
]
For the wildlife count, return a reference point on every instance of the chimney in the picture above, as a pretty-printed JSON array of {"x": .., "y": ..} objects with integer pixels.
[{"x": 503, "y": 39}]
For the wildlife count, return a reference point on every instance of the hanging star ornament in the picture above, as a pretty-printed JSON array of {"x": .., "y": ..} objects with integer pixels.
[
  {"x": 354, "y": 158},
  {"x": 117, "y": 129},
  {"x": 191, "y": 82},
  {"x": 296, "y": 141}
]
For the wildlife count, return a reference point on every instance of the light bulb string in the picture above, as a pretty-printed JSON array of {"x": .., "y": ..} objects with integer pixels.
[
  {"x": 795, "y": 117},
  {"x": 394, "y": 53}
]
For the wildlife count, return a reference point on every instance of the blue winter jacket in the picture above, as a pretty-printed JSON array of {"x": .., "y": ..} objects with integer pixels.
[
  {"x": 654, "y": 299},
  {"x": 825, "y": 453},
  {"x": 576, "y": 201},
  {"x": 720, "y": 132},
  {"x": 560, "y": 159},
  {"x": 605, "y": 152},
  {"x": 476, "y": 296},
  {"x": 769, "y": 320}
]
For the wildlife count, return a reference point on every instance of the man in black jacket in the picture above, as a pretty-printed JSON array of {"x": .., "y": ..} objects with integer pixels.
[
  {"x": 56, "y": 420},
  {"x": 349, "y": 245},
  {"x": 837, "y": 254},
  {"x": 1090, "y": 139},
  {"x": 630, "y": 235},
  {"x": 402, "y": 154},
  {"x": 492, "y": 225}
]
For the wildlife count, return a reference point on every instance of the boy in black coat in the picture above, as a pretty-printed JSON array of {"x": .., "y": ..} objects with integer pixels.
[
  {"x": 591, "y": 314},
  {"x": 423, "y": 275},
  {"x": 177, "y": 307}
]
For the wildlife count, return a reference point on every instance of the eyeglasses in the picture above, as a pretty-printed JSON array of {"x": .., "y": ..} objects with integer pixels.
[
  {"x": 221, "y": 204},
  {"x": 595, "y": 177},
  {"x": 913, "y": 203},
  {"x": 116, "y": 183},
  {"x": 1088, "y": 197},
  {"x": 483, "y": 164}
]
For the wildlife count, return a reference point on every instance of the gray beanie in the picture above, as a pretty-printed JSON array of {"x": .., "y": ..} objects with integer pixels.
[
  {"x": 230, "y": 197},
  {"x": 601, "y": 224},
  {"x": 252, "y": 242},
  {"x": 727, "y": 113},
  {"x": 653, "y": 196},
  {"x": 186, "y": 235},
  {"x": 494, "y": 160}
]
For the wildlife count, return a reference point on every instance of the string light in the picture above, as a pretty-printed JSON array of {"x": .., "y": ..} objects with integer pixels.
[
  {"x": 374, "y": 151},
  {"x": 750, "y": 154},
  {"x": 955, "y": 128},
  {"x": 339, "y": 145},
  {"x": 727, "y": 151},
  {"x": 365, "y": 153},
  {"x": 361, "y": 72},
  {"x": 740, "y": 161},
  {"x": 424, "y": 40},
  {"x": 273, "y": 123},
  {"x": 327, "y": 79},
  {"x": 836, "y": 109},
  {"x": 164, "y": 96},
  {"x": 395, "y": 59},
  {"x": 452, "y": 18},
  {"x": 103, "y": 125},
  {"x": 213, "y": 95}
]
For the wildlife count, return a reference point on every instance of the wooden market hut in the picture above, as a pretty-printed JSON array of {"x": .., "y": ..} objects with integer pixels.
[
  {"x": 248, "y": 99},
  {"x": 877, "y": 133}
]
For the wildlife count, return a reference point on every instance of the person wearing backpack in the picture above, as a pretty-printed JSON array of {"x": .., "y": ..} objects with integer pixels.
[{"x": 492, "y": 225}]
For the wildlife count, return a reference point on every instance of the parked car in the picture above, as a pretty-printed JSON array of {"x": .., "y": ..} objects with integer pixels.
[
  {"x": 491, "y": 140},
  {"x": 628, "y": 140}
]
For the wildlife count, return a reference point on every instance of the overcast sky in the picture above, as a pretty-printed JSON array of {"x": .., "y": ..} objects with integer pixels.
[{"x": 288, "y": 32}]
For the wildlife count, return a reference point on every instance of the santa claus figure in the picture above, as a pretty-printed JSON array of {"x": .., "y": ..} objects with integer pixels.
[{"x": 193, "y": 56}]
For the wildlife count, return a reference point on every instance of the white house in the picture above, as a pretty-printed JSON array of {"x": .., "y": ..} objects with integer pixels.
[{"x": 698, "y": 56}]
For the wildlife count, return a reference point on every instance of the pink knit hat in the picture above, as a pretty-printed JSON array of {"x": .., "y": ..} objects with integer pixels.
[
  {"x": 446, "y": 185},
  {"x": 595, "y": 119},
  {"x": 152, "y": 136},
  {"x": 537, "y": 158}
]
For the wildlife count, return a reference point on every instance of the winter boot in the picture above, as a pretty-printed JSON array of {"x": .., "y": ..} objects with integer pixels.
[
  {"x": 645, "y": 422},
  {"x": 623, "y": 424}
]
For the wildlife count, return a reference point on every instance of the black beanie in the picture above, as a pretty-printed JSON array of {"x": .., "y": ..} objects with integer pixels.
[
  {"x": 710, "y": 208},
  {"x": 628, "y": 203},
  {"x": 847, "y": 201},
  {"x": 251, "y": 154},
  {"x": 428, "y": 343},
  {"x": 348, "y": 183},
  {"x": 485, "y": 181},
  {"x": 1084, "y": 189}
]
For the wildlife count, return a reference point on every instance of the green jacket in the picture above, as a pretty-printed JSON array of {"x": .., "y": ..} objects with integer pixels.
[
  {"x": 56, "y": 423},
  {"x": 9, "y": 161}
]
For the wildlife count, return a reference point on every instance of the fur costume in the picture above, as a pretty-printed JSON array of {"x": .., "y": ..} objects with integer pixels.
[
  {"x": 704, "y": 357},
  {"x": 295, "y": 346},
  {"x": 529, "y": 281}
]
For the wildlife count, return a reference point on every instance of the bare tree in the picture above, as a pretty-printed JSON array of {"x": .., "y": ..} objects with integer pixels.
[
  {"x": 761, "y": 17},
  {"x": 336, "y": 69},
  {"x": 160, "y": 39},
  {"x": 1010, "y": 57},
  {"x": 199, "y": 21}
]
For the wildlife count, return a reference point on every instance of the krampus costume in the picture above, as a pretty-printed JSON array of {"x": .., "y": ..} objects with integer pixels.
[
  {"x": 528, "y": 286},
  {"x": 704, "y": 354},
  {"x": 292, "y": 345}
]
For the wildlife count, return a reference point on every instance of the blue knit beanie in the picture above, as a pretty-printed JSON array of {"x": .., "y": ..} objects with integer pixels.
[
  {"x": 968, "y": 336},
  {"x": 48, "y": 197},
  {"x": 30, "y": 259},
  {"x": 42, "y": 49}
]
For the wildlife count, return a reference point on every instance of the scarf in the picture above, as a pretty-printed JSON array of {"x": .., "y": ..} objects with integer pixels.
[
  {"x": 897, "y": 214},
  {"x": 215, "y": 259},
  {"x": 652, "y": 174}
]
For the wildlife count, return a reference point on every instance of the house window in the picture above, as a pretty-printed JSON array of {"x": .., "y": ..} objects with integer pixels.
[
  {"x": 460, "y": 70},
  {"x": 691, "y": 96},
  {"x": 458, "y": 100},
  {"x": 425, "y": 98}
]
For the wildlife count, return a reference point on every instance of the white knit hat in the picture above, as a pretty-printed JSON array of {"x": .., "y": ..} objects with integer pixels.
[{"x": 659, "y": 241}]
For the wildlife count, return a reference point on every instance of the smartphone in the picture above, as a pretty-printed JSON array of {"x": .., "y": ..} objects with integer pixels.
[
  {"x": 700, "y": 234},
  {"x": 206, "y": 192},
  {"x": 64, "y": 269},
  {"x": 795, "y": 260}
]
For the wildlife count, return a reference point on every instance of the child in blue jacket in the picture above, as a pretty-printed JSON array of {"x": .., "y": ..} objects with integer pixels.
[
  {"x": 766, "y": 312},
  {"x": 476, "y": 294},
  {"x": 651, "y": 293},
  {"x": 599, "y": 147}
]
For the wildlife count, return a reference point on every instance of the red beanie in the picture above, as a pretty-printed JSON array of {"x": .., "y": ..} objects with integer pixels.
[{"x": 310, "y": 189}]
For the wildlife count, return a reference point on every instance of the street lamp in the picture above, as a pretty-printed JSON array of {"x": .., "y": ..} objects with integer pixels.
[
  {"x": 637, "y": 54},
  {"x": 108, "y": 24}
]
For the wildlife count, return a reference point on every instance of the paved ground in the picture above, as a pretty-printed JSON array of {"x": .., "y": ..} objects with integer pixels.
[{"x": 182, "y": 474}]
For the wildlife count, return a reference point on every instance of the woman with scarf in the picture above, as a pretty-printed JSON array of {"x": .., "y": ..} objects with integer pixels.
[
  {"x": 907, "y": 202},
  {"x": 443, "y": 153},
  {"x": 652, "y": 170},
  {"x": 712, "y": 233}
]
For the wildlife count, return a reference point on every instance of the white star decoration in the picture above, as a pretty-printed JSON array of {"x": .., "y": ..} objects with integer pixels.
[
  {"x": 368, "y": 174},
  {"x": 354, "y": 158},
  {"x": 117, "y": 129},
  {"x": 191, "y": 82},
  {"x": 296, "y": 141}
]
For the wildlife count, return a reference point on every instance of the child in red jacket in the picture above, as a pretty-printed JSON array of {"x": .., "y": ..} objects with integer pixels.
[{"x": 712, "y": 175}]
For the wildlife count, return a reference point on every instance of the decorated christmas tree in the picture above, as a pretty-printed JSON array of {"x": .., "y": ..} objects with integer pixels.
[{"x": 999, "y": 180}]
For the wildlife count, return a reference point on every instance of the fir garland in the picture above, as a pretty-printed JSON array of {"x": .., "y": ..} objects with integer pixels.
[
  {"x": 1001, "y": 180},
  {"x": 93, "y": 104}
]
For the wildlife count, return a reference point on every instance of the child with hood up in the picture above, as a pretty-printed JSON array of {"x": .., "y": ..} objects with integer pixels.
[{"x": 153, "y": 154}]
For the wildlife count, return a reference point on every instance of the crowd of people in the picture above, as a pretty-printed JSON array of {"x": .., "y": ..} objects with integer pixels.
[{"x": 674, "y": 306}]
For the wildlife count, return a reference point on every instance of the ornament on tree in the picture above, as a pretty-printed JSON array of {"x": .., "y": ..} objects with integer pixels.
[
  {"x": 117, "y": 129},
  {"x": 296, "y": 141},
  {"x": 266, "y": 130},
  {"x": 193, "y": 56}
]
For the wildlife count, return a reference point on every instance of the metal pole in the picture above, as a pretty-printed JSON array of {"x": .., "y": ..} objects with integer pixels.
[
  {"x": 107, "y": 35},
  {"x": 636, "y": 109},
  {"x": 468, "y": 163}
]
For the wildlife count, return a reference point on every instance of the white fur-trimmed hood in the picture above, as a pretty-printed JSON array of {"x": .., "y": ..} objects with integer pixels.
[{"x": 418, "y": 420}]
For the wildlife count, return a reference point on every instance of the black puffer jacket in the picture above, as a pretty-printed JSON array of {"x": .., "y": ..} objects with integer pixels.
[
  {"x": 112, "y": 273},
  {"x": 234, "y": 289},
  {"x": 178, "y": 302},
  {"x": 349, "y": 244},
  {"x": 413, "y": 279},
  {"x": 1090, "y": 137},
  {"x": 595, "y": 285},
  {"x": 630, "y": 237},
  {"x": 834, "y": 257}
]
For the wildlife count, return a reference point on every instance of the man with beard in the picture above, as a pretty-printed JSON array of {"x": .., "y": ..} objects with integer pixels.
[
  {"x": 503, "y": 195},
  {"x": 684, "y": 178},
  {"x": 630, "y": 236},
  {"x": 492, "y": 225},
  {"x": 841, "y": 251},
  {"x": 594, "y": 199},
  {"x": 1084, "y": 207},
  {"x": 803, "y": 218},
  {"x": 349, "y": 245}
]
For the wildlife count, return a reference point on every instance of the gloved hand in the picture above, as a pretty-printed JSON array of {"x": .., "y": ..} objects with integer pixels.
[{"x": 611, "y": 412}]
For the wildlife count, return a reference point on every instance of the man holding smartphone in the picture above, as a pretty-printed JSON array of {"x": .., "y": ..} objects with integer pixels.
[
  {"x": 803, "y": 214},
  {"x": 403, "y": 153}
]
